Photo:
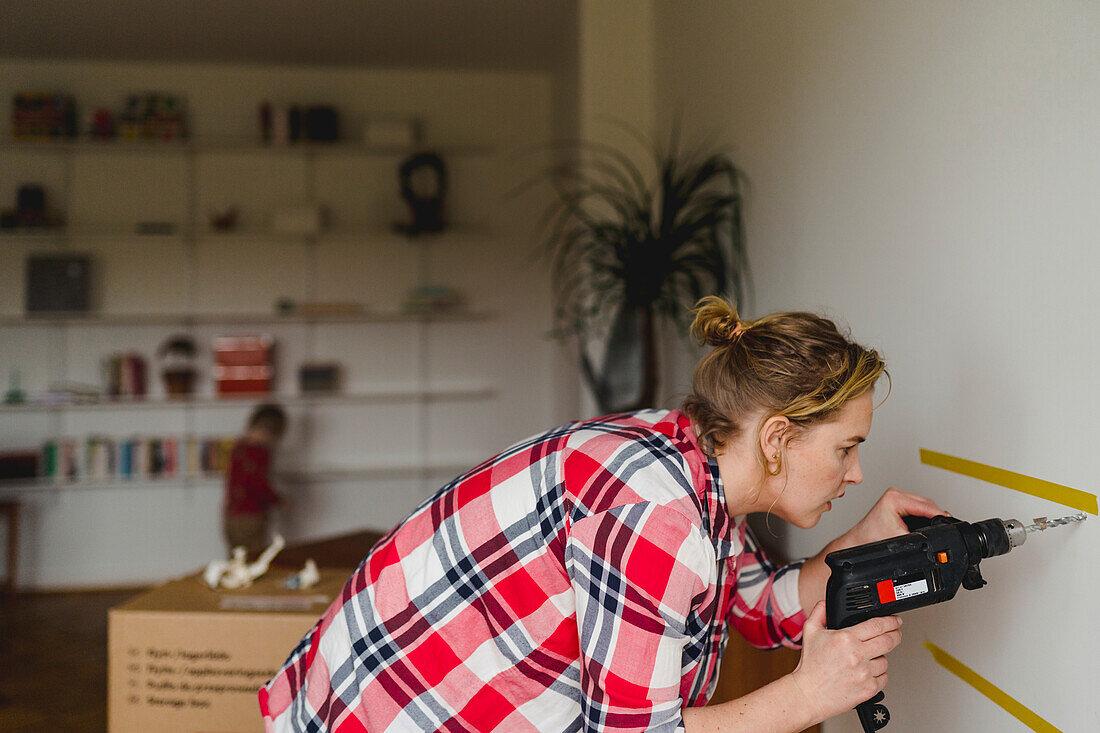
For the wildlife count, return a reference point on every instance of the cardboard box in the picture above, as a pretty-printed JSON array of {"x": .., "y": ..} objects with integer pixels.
[{"x": 185, "y": 658}]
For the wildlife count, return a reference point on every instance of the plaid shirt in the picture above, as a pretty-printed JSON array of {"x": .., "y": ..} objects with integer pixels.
[{"x": 583, "y": 579}]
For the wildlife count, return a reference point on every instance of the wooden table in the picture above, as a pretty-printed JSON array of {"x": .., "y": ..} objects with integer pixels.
[{"x": 341, "y": 551}]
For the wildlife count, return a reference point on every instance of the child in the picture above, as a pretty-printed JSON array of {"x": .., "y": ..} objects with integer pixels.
[{"x": 248, "y": 492}]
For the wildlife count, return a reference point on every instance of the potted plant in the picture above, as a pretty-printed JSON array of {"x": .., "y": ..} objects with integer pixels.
[
  {"x": 628, "y": 251},
  {"x": 177, "y": 356}
]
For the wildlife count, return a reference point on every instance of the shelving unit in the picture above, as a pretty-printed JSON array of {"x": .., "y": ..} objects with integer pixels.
[
  {"x": 415, "y": 391},
  {"x": 229, "y": 145},
  {"x": 224, "y": 319},
  {"x": 396, "y": 393},
  {"x": 190, "y": 227},
  {"x": 423, "y": 398},
  {"x": 410, "y": 466}
]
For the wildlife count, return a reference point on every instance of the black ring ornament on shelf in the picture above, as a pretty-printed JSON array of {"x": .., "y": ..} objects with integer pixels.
[{"x": 423, "y": 186}]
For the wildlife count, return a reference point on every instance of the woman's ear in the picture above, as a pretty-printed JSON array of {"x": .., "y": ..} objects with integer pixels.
[{"x": 773, "y": 435}]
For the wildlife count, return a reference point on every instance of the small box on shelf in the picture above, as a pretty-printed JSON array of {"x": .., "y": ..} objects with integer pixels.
[
  {"x": 319, "y": 378},
  {"x": 153, "y": 116},
  {"x": 18, "y": 464},
  {"x": 43, "y": 116},
  {"x": 244, "y": 365},
  {"x": 58, "y": 283}
]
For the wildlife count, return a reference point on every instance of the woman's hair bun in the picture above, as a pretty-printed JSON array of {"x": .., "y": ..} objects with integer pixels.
[{"x": 716, "y": 321}]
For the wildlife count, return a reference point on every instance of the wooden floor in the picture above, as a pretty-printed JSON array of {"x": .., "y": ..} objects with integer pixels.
[{"x": 53, "y": 661}]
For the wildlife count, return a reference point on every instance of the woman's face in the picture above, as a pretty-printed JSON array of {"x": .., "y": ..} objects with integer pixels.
[{"x": 820, "y": 464}]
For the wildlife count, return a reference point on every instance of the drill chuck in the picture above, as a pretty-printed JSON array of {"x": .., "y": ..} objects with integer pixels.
[
  {"x": 993, "y": 537},
  {"x": 998, "y": 536},
  {"x": 1016, "y": 532}
]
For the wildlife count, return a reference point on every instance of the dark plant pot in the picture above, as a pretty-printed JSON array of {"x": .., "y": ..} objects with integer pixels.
[
  {"x": 179, "y": 382},
  {"x": 619, "y": 382}
]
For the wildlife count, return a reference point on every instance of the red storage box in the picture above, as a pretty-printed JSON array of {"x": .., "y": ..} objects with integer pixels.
[{"x": 244, "y": 365}]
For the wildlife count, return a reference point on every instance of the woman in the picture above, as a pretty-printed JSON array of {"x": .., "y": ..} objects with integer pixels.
[{"x": 585, "y": 579}]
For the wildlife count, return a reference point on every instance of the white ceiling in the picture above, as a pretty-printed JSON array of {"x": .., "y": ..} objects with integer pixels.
[{"x": 498, "y": 34}]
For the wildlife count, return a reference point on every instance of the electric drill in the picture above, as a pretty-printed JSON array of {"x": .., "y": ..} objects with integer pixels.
[{"x": 915, "y": 570}]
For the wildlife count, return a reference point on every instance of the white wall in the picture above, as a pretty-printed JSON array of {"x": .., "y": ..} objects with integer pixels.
[
  {"x": 617, "y": 83},
  {"x": 95, "y": 536},
  {"x": 928, "y": 173}
]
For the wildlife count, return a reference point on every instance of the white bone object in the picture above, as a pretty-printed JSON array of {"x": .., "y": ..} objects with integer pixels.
[
  {"x": 237, "y": 573},
  {"x": 307, "y": 577},
  {"x": 214, "y": 571}
]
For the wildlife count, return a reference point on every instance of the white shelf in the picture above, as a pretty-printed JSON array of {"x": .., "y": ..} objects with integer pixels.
[
  {"x": 396, "y": 393},
  {"x": 410, "y": 467},
  {"x": 49, "y": 485},
  {"x": 35, "y": 234},
  {"x": 229, "y": 319},
  {"x": 216, "y": 146},
  {"x": 93, "y": 233},
  {"x": 183, "y": 233}
]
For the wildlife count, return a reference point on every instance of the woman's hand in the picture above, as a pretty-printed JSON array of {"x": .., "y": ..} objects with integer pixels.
[
  {"x": 841, "y": 668},
  {"x": 885, "y": 518},
  {"x": 882, "y": 522}
]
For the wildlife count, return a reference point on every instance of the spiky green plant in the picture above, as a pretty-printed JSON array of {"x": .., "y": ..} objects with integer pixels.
[{"x": 626, "y": 249}]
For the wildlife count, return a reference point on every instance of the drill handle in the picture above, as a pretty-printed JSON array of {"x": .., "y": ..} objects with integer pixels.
[
  {"x": 873, "y": 714},
  {"x": 916, "y": 523}
]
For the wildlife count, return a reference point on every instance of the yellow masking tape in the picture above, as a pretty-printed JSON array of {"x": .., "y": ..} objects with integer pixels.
[
  {"x": 1075, "y": 498},
  {"x": 1014, "y": 707}
]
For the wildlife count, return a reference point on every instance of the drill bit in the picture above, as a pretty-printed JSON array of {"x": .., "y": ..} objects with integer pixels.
[{"x": 1042, "y": 523}]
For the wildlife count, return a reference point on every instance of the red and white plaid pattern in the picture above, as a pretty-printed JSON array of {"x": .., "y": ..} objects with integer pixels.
[{"x": 583, "y": 579}]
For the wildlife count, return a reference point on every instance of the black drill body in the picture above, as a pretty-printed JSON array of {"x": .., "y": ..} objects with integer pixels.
[{"x": 915, "y": 570}]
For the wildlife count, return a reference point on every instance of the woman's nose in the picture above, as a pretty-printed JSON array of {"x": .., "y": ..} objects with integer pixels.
[{"x": 855, "y": 473}]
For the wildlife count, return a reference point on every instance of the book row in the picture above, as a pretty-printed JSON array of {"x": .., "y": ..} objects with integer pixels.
[{"x": 101, "y": 458}]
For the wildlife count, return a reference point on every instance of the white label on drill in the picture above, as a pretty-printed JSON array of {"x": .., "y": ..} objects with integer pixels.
[{"x": 889, "y": 591}]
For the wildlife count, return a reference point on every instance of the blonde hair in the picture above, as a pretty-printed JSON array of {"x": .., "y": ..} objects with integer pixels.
[{"x": 797, "y": 365}]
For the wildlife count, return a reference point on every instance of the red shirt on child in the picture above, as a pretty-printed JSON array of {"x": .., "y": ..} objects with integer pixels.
[{"x": 247, "y": 485}]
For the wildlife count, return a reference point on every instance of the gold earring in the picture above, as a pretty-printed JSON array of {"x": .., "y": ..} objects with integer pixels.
[{"x": 778, "y": 465}]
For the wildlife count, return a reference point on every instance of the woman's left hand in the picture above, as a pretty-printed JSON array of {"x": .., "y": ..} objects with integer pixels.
[
  {"x": 885, "y": 518},
  {"x": 882, "y": 522}
]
